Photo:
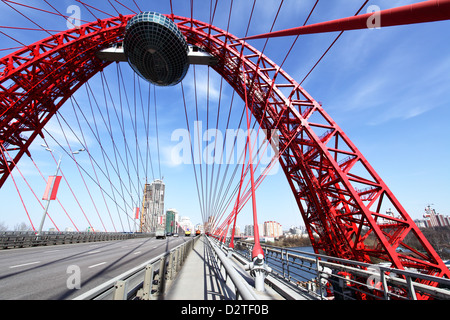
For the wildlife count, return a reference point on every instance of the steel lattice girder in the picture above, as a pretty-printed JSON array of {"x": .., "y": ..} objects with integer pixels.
[{"x": 338, "y": 193}]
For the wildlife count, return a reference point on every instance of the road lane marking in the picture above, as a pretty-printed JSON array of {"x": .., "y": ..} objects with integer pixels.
[
  {"x": 137, "y": 252},
  {"x": 25, "y": 264},
  {"x": 95, "y": 251},
  {"x": 96, "y": 265}
]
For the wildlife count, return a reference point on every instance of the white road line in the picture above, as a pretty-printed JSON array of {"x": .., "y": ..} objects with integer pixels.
[
  {"x": 137, "y": 252},
  {"x": 25, "y": 264},
  {"x": 96, "y": 265},
  {"x": 95, "y": 251}
]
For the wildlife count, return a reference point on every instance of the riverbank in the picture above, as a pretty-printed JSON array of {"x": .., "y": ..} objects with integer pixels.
[{"x": 290, "y": 242}]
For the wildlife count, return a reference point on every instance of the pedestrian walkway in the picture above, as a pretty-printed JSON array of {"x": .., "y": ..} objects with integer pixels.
[{"x": 200, "y": 278}]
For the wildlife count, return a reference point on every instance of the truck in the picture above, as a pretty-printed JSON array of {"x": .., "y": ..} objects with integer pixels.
[
  {"x": 160, "y": 233},
  {"x": 187, "y": 233}
]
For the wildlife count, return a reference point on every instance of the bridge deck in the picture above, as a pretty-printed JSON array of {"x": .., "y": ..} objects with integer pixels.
[{"x": 200, "y": 278}]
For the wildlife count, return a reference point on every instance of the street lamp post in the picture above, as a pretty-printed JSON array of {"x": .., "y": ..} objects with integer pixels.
[
  {"x": 51, "y": 187},
  {"x": 50, "y": 191}
]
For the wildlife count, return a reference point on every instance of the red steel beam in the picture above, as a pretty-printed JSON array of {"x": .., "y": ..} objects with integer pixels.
[{"x": 426, "y": 11}]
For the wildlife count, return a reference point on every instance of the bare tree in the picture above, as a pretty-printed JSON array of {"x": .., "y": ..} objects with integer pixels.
[
  {"x": 22, "y": 227},
  {"x": 3, "y": 226}
]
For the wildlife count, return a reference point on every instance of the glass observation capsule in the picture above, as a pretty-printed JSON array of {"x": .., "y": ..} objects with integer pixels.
[{"x": 156, "y": 49}]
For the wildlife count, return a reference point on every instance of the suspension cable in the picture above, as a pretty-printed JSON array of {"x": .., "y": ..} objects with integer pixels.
[
  {"x": 331, "y": 45},
  {"x": 157, "y": 134},
  {"x": 192, "y": 151}
]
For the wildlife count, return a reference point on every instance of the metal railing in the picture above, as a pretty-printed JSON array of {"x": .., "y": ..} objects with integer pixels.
[
  {"x": 333, "y": 278},
  {"x": 242, "y": 288},
  {"x": 22, "y": 239},
  {"x": 147, "y": 281}
]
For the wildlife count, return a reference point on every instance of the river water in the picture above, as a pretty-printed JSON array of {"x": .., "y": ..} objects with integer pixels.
[{"x": 294, "y": 269}]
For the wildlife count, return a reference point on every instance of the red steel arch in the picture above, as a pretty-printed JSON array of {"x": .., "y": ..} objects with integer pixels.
[
  {"x": 340, "y": 196},
  {"x": 36, "y": 81}
]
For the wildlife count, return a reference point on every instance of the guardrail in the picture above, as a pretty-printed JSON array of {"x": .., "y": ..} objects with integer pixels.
[
  {"x": 333, "y": 278},
  {"x": 145, "y": 282},
  {"x": 242, "y": 288},
  {"x": 13, "y": 239}
]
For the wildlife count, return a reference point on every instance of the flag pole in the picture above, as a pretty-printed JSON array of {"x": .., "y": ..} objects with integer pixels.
[{"x": 49, "y": 198}]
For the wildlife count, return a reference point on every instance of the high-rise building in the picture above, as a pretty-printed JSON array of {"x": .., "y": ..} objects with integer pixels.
[
  {"x": 434, "y": 219},
  {"x": 152, "y": 213},
  {"x": 237, "y": 231},
  {"x": 172, "y": 220},
  {"x": 210, "y": 224},
  {"x": 249, "y": 230},
  {"x": 272, "y": 229}
]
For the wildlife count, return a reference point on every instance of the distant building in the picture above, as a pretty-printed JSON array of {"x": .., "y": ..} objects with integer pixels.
[
  {"x": 237, "y": 231},
  {"x": 186, "y": 224},
  {"x": 433, "y": 219},
  {"x": 272, "y": 229},
  {"x": 421, "y": 223},
  {"x": 172, "y": 220},
  {"x": 248, "y": 230},
  {"x": 209, "y": 225},
  {"x": 295, "y": 230},
  {"x": 152, "y": 213}
]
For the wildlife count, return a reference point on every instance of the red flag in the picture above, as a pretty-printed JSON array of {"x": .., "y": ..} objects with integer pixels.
[
  {"x": 48, "y": 187},
  {"x": 136, "y": 213}
]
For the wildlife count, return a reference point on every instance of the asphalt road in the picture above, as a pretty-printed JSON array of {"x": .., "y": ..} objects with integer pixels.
[{"x": 46, "y": 273}]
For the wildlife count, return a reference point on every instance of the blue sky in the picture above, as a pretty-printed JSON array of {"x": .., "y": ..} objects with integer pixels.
[{"x": 387, "y": 89}]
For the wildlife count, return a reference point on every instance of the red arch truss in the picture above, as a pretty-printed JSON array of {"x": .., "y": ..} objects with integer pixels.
[
  {"x": 36, "y": 81},
  {"x": 340, "y": 196}
]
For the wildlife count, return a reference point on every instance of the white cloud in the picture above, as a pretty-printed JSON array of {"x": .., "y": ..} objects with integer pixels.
[
  {"x": 64, "y": 136},
  {"x": 388, "y": 75},
  {"x": 204, "y": 86}
]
